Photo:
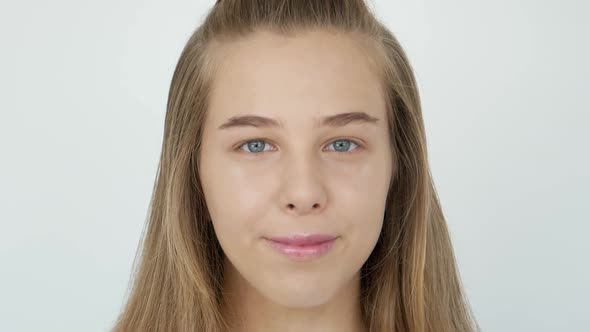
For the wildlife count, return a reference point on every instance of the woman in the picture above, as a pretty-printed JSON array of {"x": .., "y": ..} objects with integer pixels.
[{"x": 293, "y": 191}]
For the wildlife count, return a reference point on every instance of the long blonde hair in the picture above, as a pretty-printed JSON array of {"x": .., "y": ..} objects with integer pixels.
[{"x": 410, "y": 282}]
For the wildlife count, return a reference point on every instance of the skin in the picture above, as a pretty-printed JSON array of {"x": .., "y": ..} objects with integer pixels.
[{"x": 300, "y": 182}]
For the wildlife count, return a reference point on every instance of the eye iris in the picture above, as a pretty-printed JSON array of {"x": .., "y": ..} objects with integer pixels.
[
  {"x": 341, "y": 145},
  {"x": 256, "y": 146}
]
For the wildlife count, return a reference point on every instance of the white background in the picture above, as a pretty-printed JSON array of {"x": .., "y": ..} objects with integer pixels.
[{"x": 504, "y": 86}]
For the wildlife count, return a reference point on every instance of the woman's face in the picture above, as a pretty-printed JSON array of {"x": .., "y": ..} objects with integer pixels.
[{"x": 296, "y": 173}]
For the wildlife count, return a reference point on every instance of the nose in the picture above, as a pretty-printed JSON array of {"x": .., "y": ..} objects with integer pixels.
[{"x": 302, "y": 188}]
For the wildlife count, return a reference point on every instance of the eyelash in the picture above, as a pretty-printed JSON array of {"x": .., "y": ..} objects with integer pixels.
[{"x": 238, "y": 148}]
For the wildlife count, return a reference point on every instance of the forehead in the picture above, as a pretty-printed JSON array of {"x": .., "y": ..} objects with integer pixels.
[{"x": 305, "y": 76}]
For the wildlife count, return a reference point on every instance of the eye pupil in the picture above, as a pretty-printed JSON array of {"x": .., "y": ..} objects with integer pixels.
[
  {"x": 256, "y": 146},
  {"x": 341, "y": 145}
]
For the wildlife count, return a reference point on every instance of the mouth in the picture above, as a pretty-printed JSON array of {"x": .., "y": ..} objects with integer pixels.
[
  {"x": 301, "y": 240},
  {"x": 303, "y": 248}
]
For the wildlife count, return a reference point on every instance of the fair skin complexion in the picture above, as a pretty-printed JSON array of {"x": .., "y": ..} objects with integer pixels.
[{"x": 296, "y": 177}]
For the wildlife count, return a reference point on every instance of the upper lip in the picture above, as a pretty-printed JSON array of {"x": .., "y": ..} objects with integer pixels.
[{"x": 303, "y": 239}]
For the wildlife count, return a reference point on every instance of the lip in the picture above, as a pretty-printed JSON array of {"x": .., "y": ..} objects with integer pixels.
[
  {"x": 303, "y": 247},
  {"x": 303, "y": 239}
]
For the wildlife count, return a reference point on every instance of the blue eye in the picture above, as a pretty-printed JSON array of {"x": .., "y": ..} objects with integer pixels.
[
  {"x": 342, "y": 145},
  {"x": 257, "y": 146}
]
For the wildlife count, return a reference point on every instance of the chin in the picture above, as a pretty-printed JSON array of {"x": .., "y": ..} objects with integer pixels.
[
  {"x": 298, "y": 294},
  {"x": 300, "y": 301}
]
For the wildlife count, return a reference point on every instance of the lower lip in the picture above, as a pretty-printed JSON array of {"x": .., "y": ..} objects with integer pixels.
[{"x": 302, "y": 252}]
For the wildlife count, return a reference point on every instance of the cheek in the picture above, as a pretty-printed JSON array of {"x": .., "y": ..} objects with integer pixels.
[
  {"x": 237, "y": 200},
  {"x": 364, "y": 228},
  {"x": 363, "y": 202},
  {"x": 364, "y": 189}
]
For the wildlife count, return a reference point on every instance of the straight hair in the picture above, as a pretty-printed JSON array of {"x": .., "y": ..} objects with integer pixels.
[{"x": 409, "y": 283}]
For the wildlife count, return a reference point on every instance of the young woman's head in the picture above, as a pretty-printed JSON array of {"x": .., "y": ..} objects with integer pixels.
[{"x": 293, "y": 117}]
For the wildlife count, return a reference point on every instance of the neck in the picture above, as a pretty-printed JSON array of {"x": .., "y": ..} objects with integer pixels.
[{"x": 248, "y": 310}]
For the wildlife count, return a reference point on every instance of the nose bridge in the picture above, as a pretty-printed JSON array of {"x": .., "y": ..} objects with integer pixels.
[
  {"x": 301, "y": 164},
  {"x": 302, "y": 187}
]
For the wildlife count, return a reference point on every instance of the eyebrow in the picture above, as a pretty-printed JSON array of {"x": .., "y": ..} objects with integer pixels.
[{"x": 337, "y": 120}]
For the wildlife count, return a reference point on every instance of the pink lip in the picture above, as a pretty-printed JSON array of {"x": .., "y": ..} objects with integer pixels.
[
  {"x": 303, "y": 239},
  {"x": 303, "y": 247}
]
